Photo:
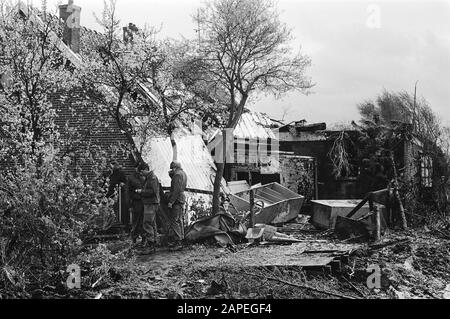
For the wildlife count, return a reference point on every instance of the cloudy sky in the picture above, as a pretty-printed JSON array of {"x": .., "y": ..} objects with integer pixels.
[{"x": 357, "y": 49}]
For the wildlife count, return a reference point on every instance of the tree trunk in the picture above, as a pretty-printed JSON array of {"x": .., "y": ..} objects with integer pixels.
[
  {"x": 217, "y": 183},
  {"x": 174, "y": 147},
  {"x": 402, "y": 210},
  {"x": 397, "y": 195},
  {"x": 378, "y": 224},
  {"x": 232, "y": 123}
]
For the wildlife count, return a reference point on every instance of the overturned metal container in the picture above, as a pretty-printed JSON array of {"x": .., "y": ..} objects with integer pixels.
[{"x": 277, "y": 204}]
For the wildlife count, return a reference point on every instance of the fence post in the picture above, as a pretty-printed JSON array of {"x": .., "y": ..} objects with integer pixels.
[
  {"x": 378, "y": 223},
  {"x": 252, "y": 200}
]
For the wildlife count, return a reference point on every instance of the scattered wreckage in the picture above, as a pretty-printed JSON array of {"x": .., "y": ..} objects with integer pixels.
[
  {"x": 285, "y": 236},
  {"x": 262, "y": 207},
  {"x": 326, "y": 243},
  {"x": 272, "y": 204},
  {"x": 269, "y": 220}
]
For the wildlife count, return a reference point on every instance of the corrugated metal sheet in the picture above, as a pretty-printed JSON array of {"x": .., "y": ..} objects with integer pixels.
[
  {"x": 193, "y": 155},
  {"x": 254, "y": 125}
]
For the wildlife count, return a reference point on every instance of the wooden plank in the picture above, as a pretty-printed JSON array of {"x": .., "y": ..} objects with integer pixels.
[
  {"x": 303, "y": 262},
  {"x": 252, "y": 206}
]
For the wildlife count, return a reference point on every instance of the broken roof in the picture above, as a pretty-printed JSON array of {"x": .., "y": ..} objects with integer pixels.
[{"x": 254, "y": 125}]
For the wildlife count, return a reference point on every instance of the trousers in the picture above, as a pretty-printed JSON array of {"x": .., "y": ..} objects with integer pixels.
[
  {"x": 144, "y": 221},
  {"x": 175, "y": 229}
]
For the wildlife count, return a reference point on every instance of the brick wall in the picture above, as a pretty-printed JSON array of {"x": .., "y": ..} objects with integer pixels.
[
  {"x": 95, "y": 129},
  {"x": 75, "y": 112}
]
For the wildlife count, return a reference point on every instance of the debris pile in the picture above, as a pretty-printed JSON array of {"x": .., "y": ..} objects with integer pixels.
[{"x": 295, "y": 259}]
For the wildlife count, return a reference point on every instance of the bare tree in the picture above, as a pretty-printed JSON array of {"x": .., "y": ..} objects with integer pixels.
[
  {"x": 245, "y": 49},
  {"x": 151, "y": 80},
  {"x": 285, "y": 112},
  {"x": 117, "y": 68},
  {"x": 172, "y": 79}
]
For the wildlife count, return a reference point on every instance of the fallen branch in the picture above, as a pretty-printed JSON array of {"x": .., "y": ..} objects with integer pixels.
[
  {"x": 354, "y": 287},
  {"x": 339, "y": 156},
  {"x": 302, "y": 286},
  {"x": 327, "y": 251},
  {"x": 96, "y": 283},
  {"x": 440, "y": 232},
  {"x": 352, "y": 238},
  {"x": 397, "y": 194}
]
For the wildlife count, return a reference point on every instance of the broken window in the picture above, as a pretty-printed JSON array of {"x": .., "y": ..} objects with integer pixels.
[{"x": 426, "y": 171}]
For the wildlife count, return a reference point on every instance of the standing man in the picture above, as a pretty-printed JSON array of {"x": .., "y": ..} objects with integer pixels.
[
  {"x": 143, "y": 187},
  {"x": 176, "y": 200}
]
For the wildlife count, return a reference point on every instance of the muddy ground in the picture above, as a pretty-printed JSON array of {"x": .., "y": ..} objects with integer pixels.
[{"x": 413, "y": 264}]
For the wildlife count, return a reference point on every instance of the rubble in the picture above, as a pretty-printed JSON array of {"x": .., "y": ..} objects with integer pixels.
[
  {"x": 299, "y": 260},
  {"x": 413, "y": 265},
  {"x": 347, "y": 228}
]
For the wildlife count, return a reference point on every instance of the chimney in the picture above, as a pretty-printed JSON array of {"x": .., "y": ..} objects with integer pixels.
[{"x": 70, "y": 15}]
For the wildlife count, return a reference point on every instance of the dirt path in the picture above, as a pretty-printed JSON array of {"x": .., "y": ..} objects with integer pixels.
[
  {"x": 416, "y": 268},
  {"x": 163, "y": 261}
]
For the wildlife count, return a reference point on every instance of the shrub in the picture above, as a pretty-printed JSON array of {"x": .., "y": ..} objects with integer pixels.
[{"x": 43, "y": 212}]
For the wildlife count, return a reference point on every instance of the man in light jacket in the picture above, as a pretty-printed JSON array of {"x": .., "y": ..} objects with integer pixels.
[{"x": 176, "y": 199}]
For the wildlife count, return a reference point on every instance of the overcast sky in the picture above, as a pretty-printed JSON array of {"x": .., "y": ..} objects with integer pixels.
[{"x": 357, "y": 49}]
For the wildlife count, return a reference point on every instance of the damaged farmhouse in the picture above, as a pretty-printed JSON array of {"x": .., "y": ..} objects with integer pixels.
[{"x": 136, "y": 164}]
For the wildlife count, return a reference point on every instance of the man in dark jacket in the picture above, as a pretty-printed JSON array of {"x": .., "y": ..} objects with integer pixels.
[
  {"x": 143, "y": 189},
  {"x": 176, "y": 200}
]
